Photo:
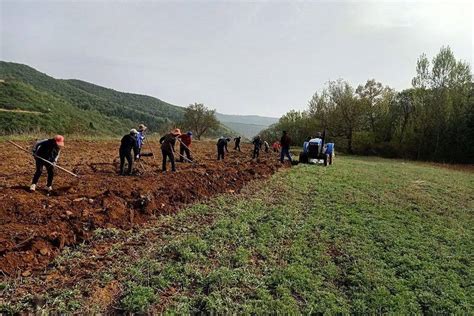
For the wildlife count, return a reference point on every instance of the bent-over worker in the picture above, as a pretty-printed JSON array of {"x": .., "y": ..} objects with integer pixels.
[
  {"x": 49, "y": 150},
  {"x": 167, "y": 148},
  {"x": 127, "y": 144}
]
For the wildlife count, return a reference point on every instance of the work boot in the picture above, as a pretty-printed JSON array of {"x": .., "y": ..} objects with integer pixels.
[
  {"x": 33, "y": 187},
  {"x": 49, "y": 189}
]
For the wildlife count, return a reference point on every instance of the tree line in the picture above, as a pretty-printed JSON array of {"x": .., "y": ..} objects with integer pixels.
[{"x": 433, "y": 120}]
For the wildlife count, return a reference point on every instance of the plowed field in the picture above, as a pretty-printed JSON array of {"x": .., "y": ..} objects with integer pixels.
[{"x": 34, "y": 227}]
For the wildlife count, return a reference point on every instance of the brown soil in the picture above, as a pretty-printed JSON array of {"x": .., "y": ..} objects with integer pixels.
[{"x": 35, "y": 227}]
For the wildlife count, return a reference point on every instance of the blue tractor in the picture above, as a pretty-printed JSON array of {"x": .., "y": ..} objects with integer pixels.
[{"x": 317, "y": 149}]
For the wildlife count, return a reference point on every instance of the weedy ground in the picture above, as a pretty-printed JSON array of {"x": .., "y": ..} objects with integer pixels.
[{"x": 365, "y": 235}]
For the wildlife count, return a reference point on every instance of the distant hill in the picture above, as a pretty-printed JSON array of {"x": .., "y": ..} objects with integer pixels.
[
  {"x": 31, "y": 101},
  {"x": 246, "y": 125}
]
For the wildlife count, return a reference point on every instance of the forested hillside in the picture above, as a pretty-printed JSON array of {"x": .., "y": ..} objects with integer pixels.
[{"x": 33, "y": 102}]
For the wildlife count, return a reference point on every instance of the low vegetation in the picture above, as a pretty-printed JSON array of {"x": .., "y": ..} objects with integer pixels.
[{"x": 366, "y": 235}]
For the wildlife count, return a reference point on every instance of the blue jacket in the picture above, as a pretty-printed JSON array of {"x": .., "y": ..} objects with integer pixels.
[
  {"x": 140, "y": 139},
  {"x": 329, "y": 148}
]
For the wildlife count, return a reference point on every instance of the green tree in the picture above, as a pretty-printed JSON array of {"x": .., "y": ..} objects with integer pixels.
[
  {"x": 200, "y": 119},
  {"x": 348, "y": 111}
]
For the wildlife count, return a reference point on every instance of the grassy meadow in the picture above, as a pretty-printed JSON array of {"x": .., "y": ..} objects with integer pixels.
[{"x": 366, "y": 235}]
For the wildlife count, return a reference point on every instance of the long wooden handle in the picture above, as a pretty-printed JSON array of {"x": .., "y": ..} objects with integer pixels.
[
  {"x": 179, "y": 140},
  {"x": 47, "y": 161}
]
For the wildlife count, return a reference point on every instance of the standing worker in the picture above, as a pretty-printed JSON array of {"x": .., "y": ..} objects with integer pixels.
[
  {"x": 128, "y": 143},
  {"x": 257, "y": 144},
  {"x": 140, "y": 139},
  {"x": 285, "y": 142},
  {"x": 47, "y": 149},
  {"x": 267, "y": 146},
  {"x": 185, "y": 141},
  {"x": 237, "y": 143},
  {"x": 167, "y": 148},
  {"x": 221, "y": 147}
]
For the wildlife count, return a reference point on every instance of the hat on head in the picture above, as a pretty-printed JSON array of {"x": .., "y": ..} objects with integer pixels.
[
  {"x": 133, "y": 131},
  {"x": 141, "y": 127},
  {"x": 176, "y": 132},
  {"x": 59, "y": 139},
  {"x": 189, "y": 133}
]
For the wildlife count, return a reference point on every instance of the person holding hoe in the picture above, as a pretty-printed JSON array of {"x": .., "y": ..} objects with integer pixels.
[
  {"x": 222, "y": 147},
  {"x": 140, "y": 139},
  {"x": 185, "y": 141},
  {"x": 128, "y": 143},
  {"x": 167, "y": 148},
  {"x": 49, "y": 150},
  {"x": 237, "y": 143}
]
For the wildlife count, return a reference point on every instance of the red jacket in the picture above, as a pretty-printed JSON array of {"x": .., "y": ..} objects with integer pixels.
[{"x": 186, "y": 139}]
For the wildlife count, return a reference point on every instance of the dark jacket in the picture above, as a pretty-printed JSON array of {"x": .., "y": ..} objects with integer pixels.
[
  {"x": 222, "y": 144},
  {"x": 285, "y": 141},
  {"x": 128, "y": 143},
  {"x": 237, "y": 140},
  {"x": 167, "y": 142},
  {"x": 257, "y": 142},
  {"x": 47, "y": 149}
]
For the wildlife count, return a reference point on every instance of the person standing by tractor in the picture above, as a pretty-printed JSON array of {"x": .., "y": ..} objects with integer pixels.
[
  {"x": 167, "y": 148},
  {"x": 257, "y": 144},
  {"x": 237, "y": 143},
  {"x": 127, "y": 144},
  {"x": 222, "y": 147},
  {"x": 285, "y": 142},
  {"x": 185, "y": 141},
  {"x": 49, "y": 150}
]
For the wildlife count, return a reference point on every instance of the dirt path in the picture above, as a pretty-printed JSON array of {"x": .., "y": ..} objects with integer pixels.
[
  {"x": 35, "y": 228},
  {"x": 20, "y": 111}
]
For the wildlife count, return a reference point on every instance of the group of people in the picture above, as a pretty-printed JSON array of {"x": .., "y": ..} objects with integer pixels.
[
  {"x": 46, "y": 152},
  {"x": 135, "y": 140}
]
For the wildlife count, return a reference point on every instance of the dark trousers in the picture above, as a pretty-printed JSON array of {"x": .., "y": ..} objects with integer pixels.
[
  {"x": 39, "y": 169},
  {"x": 256, "y": 152},
  {"x": 184, "y": 151},
  {"x": 285, "y": 151},
  {"x": 170, "y": 155},
  {"x": 128, "y": 156},
  {"x": 220, "y": 153},
  {"x": 237, "y": 146}
]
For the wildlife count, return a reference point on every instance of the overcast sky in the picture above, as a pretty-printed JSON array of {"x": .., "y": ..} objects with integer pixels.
[{"x": 262, "y": 57}]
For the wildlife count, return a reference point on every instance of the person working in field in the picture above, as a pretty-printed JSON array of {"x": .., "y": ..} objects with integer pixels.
[
  {"x": 127, "y": 144},
  {"x": 222, "y": 147},
  {"x": 49, "y": 150},
  {"x": 167, "y": 148},
  {"x": 237, "y": 143},
  {"x": 285, "y": 142},
  {"x": 276, "y": 146},
  {"x": 267, "y": 146},
  {"x": 140, "y": 139},
  {"x": 185, "y": 141},
  {"x": 257, "y": 145}
]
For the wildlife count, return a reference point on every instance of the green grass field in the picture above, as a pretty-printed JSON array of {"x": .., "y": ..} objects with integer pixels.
[{"x": 366, "y": 235}]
